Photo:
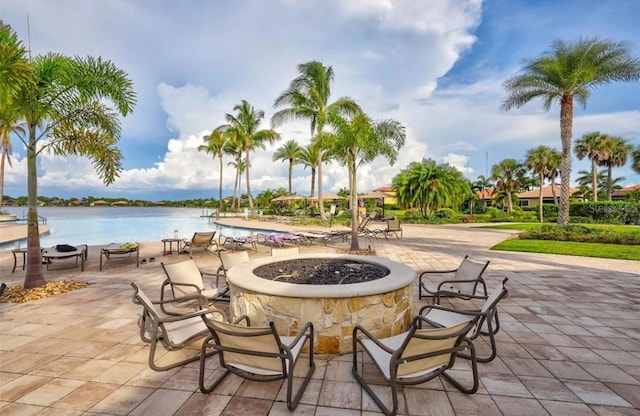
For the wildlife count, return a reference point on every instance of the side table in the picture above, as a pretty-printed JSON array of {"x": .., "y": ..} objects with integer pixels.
[
  {"x": 15, "y": 253},
  {"x": 170, "y": 241}
]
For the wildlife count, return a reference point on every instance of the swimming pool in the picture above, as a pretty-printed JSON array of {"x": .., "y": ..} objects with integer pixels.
[{"x": 104, "y": 225}]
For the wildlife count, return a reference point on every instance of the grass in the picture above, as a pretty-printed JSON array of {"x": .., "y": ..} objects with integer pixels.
[
  {"x": 607, "y": 251},
  {"x": 619, "y": 228}
]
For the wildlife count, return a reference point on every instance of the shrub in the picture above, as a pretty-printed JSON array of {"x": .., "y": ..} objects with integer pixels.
[
  {"x": 445, "y": 213},
  {"x": 468, "y": 218}
]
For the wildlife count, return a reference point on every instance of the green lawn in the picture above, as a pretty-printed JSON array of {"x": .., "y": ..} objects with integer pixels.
[
  {"x": 608, "y": 251},
  {"x": 532, "y": 225}
]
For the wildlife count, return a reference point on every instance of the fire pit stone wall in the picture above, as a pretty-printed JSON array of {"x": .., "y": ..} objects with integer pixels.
[{"x": 382, "y": 306}]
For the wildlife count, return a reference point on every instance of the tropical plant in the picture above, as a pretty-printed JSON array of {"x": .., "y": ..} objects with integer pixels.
[
  {"x": 566, "y": 73},
  {"x": 16, "y": 72},
  {"x": 311, "y": 157},
  {"x": 635, "y": 155},
  {"x": 358, "y": 141},
  {"x": 71, "y": 110},
  {"x": 216, "y": 143},
  {"x": 240, "y": 164},
  {"x": 307, "y": 98},
  {"x": 481, "y": 183},
  {"x": 509, "y": 175},
  {"x": 290, "y": 152},
  {"x": 245, "y": 126},
  {"x": 541, "y": 161},
  {"x": 584, "y": 180},
  {"x": 618, "y": 150},
  {"x": 594, "y": 146},
  {"x": 428, "y": 187}
]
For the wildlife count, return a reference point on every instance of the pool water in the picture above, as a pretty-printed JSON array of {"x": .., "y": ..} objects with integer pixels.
[{"x": 104, "y": 225}]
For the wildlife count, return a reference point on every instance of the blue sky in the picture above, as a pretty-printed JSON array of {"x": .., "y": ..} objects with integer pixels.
[{"x": 435, "y": 65}]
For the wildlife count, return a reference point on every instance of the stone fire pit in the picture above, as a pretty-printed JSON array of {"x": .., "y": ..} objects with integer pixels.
[{"x": 381, "y": 304}]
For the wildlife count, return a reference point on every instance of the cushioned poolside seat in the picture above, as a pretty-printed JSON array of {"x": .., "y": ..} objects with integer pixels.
[{"x": 466, "y": 280}]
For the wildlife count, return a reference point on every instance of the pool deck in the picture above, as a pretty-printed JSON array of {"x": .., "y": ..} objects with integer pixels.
[{"x": 569, "y": 344}]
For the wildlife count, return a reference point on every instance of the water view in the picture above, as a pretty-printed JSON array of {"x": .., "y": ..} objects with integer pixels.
[{"x": 104, "y": 225}]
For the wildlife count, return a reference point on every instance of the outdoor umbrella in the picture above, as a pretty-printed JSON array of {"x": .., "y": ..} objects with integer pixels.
[{"x": 326, "y": 196}]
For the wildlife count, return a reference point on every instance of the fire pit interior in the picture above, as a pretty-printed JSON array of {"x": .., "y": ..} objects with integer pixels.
[
  {"x": 321, "y": 271},
  {"x": 338, "y": 291}
]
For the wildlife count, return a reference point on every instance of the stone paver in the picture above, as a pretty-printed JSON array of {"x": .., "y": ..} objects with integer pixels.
[{"x": 569, "y": 341}]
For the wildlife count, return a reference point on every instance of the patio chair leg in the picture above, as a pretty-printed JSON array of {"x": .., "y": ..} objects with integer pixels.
[
  {"x": 474, "y": 370},
  {"x": 394, "y": 389},
  {"x": 203, "y": 359}
]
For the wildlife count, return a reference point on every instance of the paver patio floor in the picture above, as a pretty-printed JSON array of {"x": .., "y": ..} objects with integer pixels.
[{"x": 569, "y": 344}]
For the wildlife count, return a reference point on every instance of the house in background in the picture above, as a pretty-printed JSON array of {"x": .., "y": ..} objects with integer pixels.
[
  {"x": 621, "y": 194},
  {"x": 531, "y": 198},
  {"x": 485, "y": 197}
]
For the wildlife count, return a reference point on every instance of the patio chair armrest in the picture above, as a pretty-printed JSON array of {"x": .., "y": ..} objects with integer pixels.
[
  {"x": 371, "y": 337},
  {"x": 455, "y": 281},
  {"x": 469, "y": 312},
  {"x": 308, "y": 327},
  {"x": 436, "y": 272},
  {"x": 450, "y": 294},
  {"x": 242, "y": 318},
  {"x": 187, "y": 316}
]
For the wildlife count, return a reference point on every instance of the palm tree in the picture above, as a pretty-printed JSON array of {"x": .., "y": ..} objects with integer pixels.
[
  {"x": 216, "y": 143},
  {"x": 635, "y": 155},
  {"x": 594, "y": 146},
  {"x": 585, "y": 182},
  {"x": 289, "y": 151},
  {"x": 566, "y": 73},
  {"x": 428, "y": 187},
  {"x": 74, "y": 105},
  {"x": 245, "y": 126},
  {"x": 311, "y": 158},
  {"x": 509, "y": 177},
  {"x": 540, "y": 160},
  {"x": 16, "y": 72},
  {"x": 359, "y": 141},
  {"x": 617, "y": 155},
  {"x": 240, "y": 164},
  {"x": 307, "y": 98},
  {"x": 554, "y": 171}
]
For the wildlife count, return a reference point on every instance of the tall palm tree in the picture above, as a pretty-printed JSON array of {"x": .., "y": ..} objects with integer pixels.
[
  {"x": 16, "y": 72},
  {"x": 240, "y": 164},
  {"x": 554, "y": 171},
  {"x": 585, "y": 182},
  {"x": 540, "y": 161},
  {"x": 290, "y": 151},
  {"x": 311, "y": 157},
  {"x": 594, "y": 146},
  {"x": 72, "y": 109},
  {"x": 509, "y": 176},
  {"x": 307, "y": 98},
  {"x": 618, "y": 152},
  {"x": 245, "y": 125},
  {"x": 358, "y": 141},
  {"x": 566, "y": 73},
  {"x": 216, "y": 143}
]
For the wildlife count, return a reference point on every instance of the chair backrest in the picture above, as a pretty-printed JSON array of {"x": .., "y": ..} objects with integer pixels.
[
  {"x": 497, "y": 293},
  {"x": 284, "y": 251},
  {"x": 140, "y": 298},
  {"x": 364, "y": 223},
  {"x": 469, "y": 270},
  {"x": 248, "y": 348},
  {"x": 179, "y": 274},
  {"x": 202, "y": 239},
  {"x": 230, "y": 259},
  {"x": 427, "y": 349},
  {"x": 393, "y": 225}
]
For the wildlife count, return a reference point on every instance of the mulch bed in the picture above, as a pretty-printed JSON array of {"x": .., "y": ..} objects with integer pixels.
[{"x": 18, "y": 294}]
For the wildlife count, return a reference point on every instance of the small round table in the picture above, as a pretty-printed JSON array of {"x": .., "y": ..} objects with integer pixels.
[{"x": 170, "y": 241}]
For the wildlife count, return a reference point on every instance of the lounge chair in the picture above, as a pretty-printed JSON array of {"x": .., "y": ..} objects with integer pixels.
[
  {"x": 257, "y": 354},
  {"x": 238, "y": 241},
  {"x": 393, "y": 227},
  {"x": 414, "y": 357},
  {"x": 204, "y": 240},
  {"x": 64, "y": 251},
  {"x": 364, "y": 231},
  {"x": 173, "y": 332},
  {"x": 185, "y": 279},
  {"x": 466, "y": 281},
  {"x": 487, "y": 316},
  {"x": 279, "y": 238}
]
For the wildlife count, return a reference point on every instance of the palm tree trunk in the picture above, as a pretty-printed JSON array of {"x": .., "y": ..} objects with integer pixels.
[
  {"x": 509, "y": 203},
  {"x": 594, "y": 180},
  {"x": 251, "y": 208},
  {"x": 323, "y": 216},
  {"x": 609, "y": 184},
  {"x": 566, "y": 127},
  {"x": 220, "y": 189},
  {"x": 290, "y": 173},
  {"x": 313, "y": 182},
  {"x": 553, "y": 190},
  {"x": 4, "y": 155},
  {"x": 355, "y": 244},
  {"x": 540, "y": 199},
  {"x": 34, "y": 276}
]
